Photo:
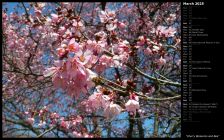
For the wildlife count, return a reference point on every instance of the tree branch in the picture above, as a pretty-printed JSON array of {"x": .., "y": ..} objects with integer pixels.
[{"x": 39, "y": 136}]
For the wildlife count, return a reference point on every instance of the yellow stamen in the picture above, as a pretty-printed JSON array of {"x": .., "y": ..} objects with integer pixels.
[{"x": 82, "y": 58}]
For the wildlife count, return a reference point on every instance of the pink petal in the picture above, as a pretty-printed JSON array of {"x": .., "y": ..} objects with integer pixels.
[{"x": 49, "y": 71}]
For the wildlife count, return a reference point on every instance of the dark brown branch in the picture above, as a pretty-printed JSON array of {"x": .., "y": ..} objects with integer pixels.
[
  {"x": 103, "y": 4},
  {"x": 131, "y": 126},
  {"x": 140, "y": 128}
]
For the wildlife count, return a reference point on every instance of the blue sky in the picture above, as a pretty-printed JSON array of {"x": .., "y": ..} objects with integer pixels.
[{"x": 10, "y": 6}]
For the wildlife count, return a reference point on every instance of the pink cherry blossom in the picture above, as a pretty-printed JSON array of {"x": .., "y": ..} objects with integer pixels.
[
  {"x": 54, "y": 17},
  {"x": 83, "y": 57},
  {"x": 121, "y": 25},
  {"x": 78, "y": 28},
  {"x": 37, "y": 12},
  {"x": 98, "y": 100},
  {"x": 62, "y": 30},
  {"x": 78, "y": 119},
  {"x": 122, "y": 47},
  {"x": 104, "y": 62},
  {"x": 166, "y": 31},
  {"x": 106, "y": 15},
  {"x": 142, "y": 40},
  {"x": 64, "y": 124},
  {"x": 70, "y": 72},
  {"x": 42, "y": 123},
  {"x": 73, "y": 46},
  {"x": 41, "y": 112},
  {"x": 132, "y": 105},
  {"x": 105, "y": 101},
  {"x": 155, "y": 48},
  {"x": 102, "y": 35},
  {"x": 77, "y": 134},
  {"x": 111, "y": 27},
  {"x": 133, "y": 96},
  {"x": 54, "y": 115},
  {"x": 161, "y": 61},
  {"x": 171, "y": 18},
  {"x": 119, "y": 60},
  {"x": 178, "y": 62},
  {"x": 112, "y": 110},
  {"x": 170, "y": 31},
  {"x": 40, "y": 5},
  {"x": 50, "y": 71},
  {"x": 103, "y": 16},
  {"x": 79, "y": 25},
  {"x": 30, "y": 121},
  {"x": 148, "y": 51},
  {"x": 86, "y": 135},
  {"x": 95, "y": 47},
  {"x": 4, "y": 15},
  {"x": 61, "y": 51},
  {"x": 95, "y": 100}
]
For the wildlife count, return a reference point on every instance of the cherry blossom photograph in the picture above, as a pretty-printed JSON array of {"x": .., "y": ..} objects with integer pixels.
[{"x": 91, "y": 69}]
